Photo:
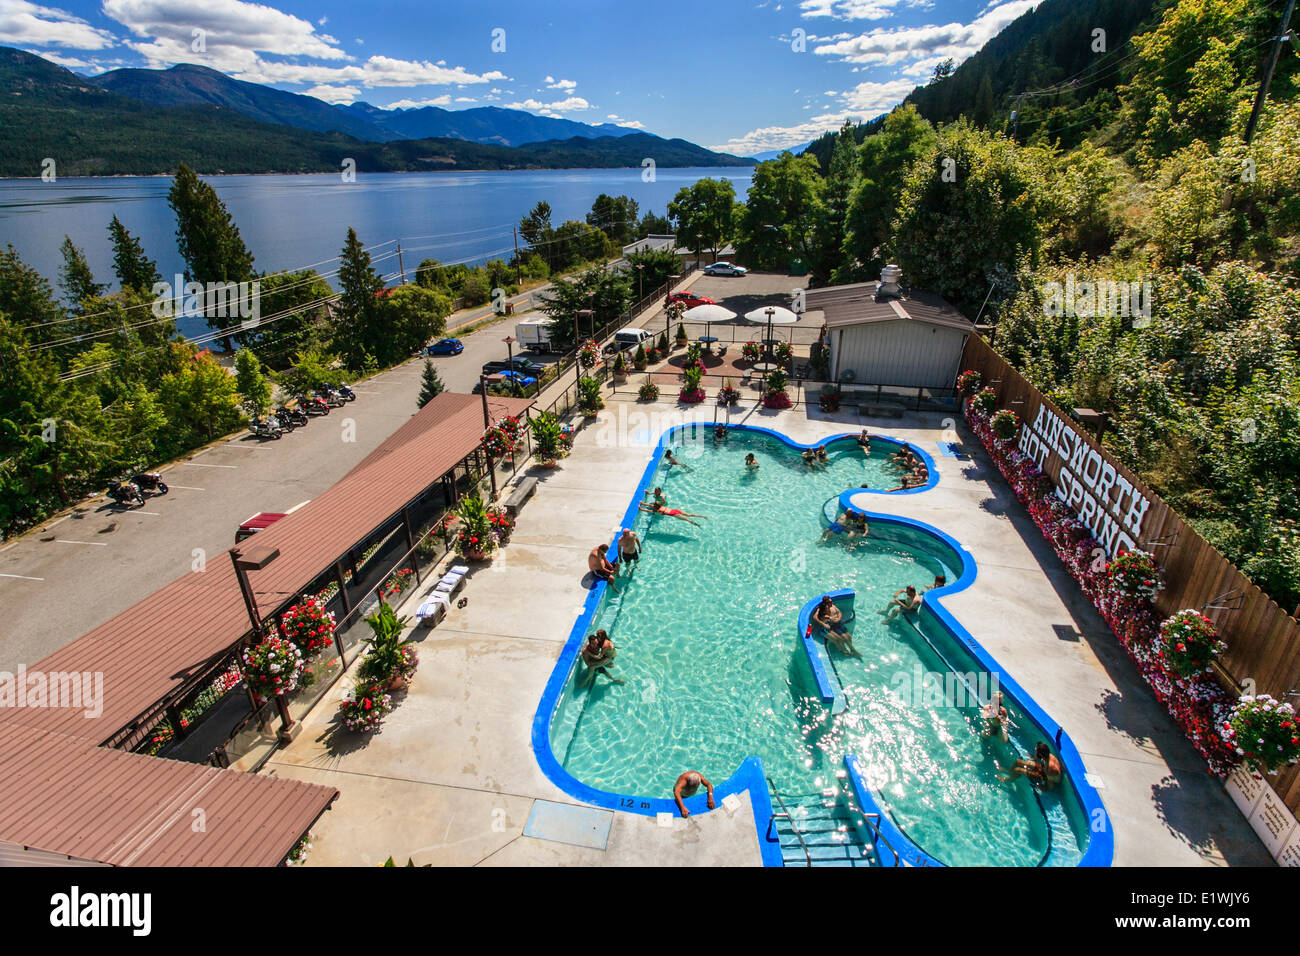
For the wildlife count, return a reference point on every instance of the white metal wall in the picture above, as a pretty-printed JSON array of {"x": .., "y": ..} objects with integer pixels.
[{"x": 906, "y": 353}]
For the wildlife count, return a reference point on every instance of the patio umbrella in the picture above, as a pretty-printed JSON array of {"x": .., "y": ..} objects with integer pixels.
[
  {"x": 771, "y": 315},
  {"x": 708, "y": 314}
]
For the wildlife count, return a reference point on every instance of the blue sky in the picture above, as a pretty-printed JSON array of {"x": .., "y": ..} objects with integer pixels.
[{"x": 738, "y": 76}]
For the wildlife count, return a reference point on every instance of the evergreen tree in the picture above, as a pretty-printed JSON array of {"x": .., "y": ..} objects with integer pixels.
[
  {"x": 134, "y": 269},
  {"x": 75, "y": 278},
  {"x": 251, "y": 383},
  {"x": 430, "y": 384},
  {"x": 358, "y": 334},
  {"x": 207, "y": 237}
]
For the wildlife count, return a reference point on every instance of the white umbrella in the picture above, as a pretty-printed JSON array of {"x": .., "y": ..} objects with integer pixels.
[
  {"x": 708, "y": 314},
  {"x": 771, "y": 315}
]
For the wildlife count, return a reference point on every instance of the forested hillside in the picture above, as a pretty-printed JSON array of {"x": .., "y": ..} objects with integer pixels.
[{"x": 1125, "y": 165}]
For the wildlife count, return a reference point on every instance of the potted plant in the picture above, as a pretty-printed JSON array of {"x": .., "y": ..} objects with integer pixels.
[
  {"x": 1133, "y": 575},
  {"x": 589, "y": 398},
  {"x": 830, "y": 400},
  {"x": 503, "y": 438},
  {"x": 968, "y": 383},
  {"x": 649, "y": 391},
  {"x": 548, "y": 439},
  {"x": 776, "y": 396},
  {"x": 681, "y": 334},
  {"x": 473, "y": 529},
  {"x": 694, "y": 357},
  {"x": 364, "y": 707},
  {"x": 691, "y": 392},
  {"x": 751, "y": 351},
  {"x": 984, "y": 401},
  {"x": 1264, "y": 732},
  {"x": 588, "y": 354},
  {"x": 728, "y": 394},
  {"x": 619, "y": 371},
  {"x": 640, "y": 358},
  {"x": 390, "y": 662},
  {"x": 309, "y": 626}
]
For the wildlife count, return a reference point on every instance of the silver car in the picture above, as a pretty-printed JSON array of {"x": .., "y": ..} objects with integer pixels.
[{"x": 725, "y": 269}]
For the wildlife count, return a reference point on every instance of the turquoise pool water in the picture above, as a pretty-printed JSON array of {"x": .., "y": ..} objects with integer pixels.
[{"x": 714, "y": 670}]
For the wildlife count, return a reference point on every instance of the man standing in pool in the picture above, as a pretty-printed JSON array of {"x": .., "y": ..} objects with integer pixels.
[
  {"x": 686, "y": 786},
  {"x": 831, "y": 620},
  {"x": 1044, "y": 770},
  {"x": 629, "y": 549}
]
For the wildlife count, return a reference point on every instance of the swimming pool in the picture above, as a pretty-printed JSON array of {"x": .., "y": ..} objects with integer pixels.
[{"x": 716, "y": 669}]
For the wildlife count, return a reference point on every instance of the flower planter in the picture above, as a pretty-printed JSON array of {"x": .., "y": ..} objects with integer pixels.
[{"x": 476, "y": 555}]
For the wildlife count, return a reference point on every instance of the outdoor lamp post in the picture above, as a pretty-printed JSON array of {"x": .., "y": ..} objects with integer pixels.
[
  {"x": 671, "y": 279},
  {"x": 255, "y": 559},
  {"x": 769, "y": 312},
  {"x": 640, "y": 276},
  {"x": 510, "y": 355}
]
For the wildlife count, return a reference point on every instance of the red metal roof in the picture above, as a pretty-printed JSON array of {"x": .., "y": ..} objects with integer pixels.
[
  {"x": 65, "y": 795},
  {"x": 60, "y": 792}
]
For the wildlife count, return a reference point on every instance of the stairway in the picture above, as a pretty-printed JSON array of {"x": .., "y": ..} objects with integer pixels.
[{"x": 825, "y": 821}]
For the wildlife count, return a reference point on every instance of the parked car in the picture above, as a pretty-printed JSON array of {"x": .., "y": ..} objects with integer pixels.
[
  {"x": 446, "y": 347},
  {"x": 525, "y": 365},
  {"x": 725, "y": 269},
  {"x": 688, "y": 299},
  {"x": 520, "y": 379},
  {"x": 627, "y": 339}
]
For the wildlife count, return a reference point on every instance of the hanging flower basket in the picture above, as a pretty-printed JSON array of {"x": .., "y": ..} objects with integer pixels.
[
  {"x": 751, "y": 351},
  {"x": 1005, "y": 424},
  {"x": 504, "y": 438},
  {"x": 1189, "y": 644},
  {"x": 273, "y": 667},
  {"x": 1134, "y": 575},
  {"x": 309, "y": 626},
  {"x": 782, "y": 352},
  {"x": 588, "y": 354},
  {"x": 984, "y": 401},
  {"x": 1263, "y": 732},
  {"x": 968, "y": 383}
]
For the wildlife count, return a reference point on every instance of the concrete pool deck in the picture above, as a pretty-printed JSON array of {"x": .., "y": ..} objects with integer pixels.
[{"x": 452, "y": 780}]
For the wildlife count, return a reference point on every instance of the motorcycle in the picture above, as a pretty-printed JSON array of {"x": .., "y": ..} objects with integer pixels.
[
  {"x": 125, "y": 493},
  {"x": 311, "y": 405},
  {"x": 150, "y": 482},
  {"x": 330, "y": 397},
  {"x": 346, "y": 393},
  {"x": 266, "y": 428},
  {"x": 286, "y": 419}
]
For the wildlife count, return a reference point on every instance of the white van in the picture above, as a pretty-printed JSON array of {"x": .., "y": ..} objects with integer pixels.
[{"x": 627, "y": 339}]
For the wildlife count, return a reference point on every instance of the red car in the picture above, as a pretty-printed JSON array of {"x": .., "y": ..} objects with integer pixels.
[{"x": 688, "y": 299}]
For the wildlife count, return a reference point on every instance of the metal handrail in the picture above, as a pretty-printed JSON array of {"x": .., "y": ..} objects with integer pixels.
[
  {"x": 785, "y": 812},
  {"x": 873, "y": 824}
]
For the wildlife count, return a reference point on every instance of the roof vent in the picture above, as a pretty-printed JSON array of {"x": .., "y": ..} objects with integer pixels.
[{"x": 890, "y": 278}]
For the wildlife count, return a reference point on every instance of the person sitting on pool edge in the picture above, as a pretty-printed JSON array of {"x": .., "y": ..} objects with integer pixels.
[
  {"x": 600, "y": 566},
  {"x": 751, "y": 462},
  {"x": 686, "y": 785},
  {"x": 598, "y": 655},
  {"x": 909, "y": 601},
  {"x": 864, "y": 440},
  {"x": 831, "y": 620},
  {"x": 1043, "y": 771}
]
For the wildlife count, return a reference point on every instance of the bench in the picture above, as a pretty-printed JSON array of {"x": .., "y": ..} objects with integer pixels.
[{"x": 523, "y": 490}]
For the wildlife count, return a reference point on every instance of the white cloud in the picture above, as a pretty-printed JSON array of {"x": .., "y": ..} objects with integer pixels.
[
  {"x": 26, "y": 24},
  {"x": 228, "y": 24},
  {"x": 334, "y": 94},
  {"x": 956, "y": 40},
  {"x": 566, "y": 85},
  {"x": 619, "y": 121},
  {"x": 856, "y": 9},
  {"x": 569, "y": 105},
  {"x": 464, "y": 99},
  {"x": 417, "y": 104}
]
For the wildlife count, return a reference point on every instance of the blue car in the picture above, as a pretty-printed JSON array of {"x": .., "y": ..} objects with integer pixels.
[{"x": 446, "y": 347}]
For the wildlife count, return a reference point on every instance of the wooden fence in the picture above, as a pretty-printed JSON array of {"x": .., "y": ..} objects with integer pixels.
[{"x": 1263, "y": 640}]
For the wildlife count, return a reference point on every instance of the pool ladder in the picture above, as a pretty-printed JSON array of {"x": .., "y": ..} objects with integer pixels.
[{"x": 811, "y": 855}]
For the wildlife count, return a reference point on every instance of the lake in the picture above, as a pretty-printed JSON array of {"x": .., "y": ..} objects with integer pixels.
[{"x": 291, "y": 222}]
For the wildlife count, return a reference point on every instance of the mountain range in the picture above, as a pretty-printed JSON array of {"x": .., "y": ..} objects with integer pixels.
[{"x": 145, "y": 122}]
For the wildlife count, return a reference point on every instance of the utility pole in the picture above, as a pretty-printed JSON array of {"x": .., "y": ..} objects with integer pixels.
[
  {"x": 400, "y": 268},
  {"x": 519, "y": 279},
  {"x": 1264, "y": 84}
]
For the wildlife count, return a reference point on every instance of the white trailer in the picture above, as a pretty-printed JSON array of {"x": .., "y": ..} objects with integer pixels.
[{"x": 534, "y": 334}]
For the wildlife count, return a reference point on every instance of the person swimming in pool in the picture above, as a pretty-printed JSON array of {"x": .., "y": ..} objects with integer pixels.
[
  {"x": 659, "y": 498},
  {"x": 599, "y": 655},
  {"x": 1043, "y": 771},
  {"x": 751, "y": 462},
  {"x": 822, "y": 458},
  {"x": 809, "y": 457},
  {"x": 661, "y": 508},
  {"x": 831, "y": 620},
  {"x": 939, "y": 581},
  {"x": 995, "y": 718},
  {"x": 671, "y": 459},
  {"x": 904, "y": 599},
  {"x": 848, "y": 523},
  {"x": 686, "y": 786}
]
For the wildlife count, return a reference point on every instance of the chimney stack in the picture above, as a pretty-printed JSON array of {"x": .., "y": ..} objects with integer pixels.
[{"x": 890, "y": 282}]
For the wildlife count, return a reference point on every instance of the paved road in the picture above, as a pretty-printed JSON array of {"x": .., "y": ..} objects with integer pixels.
[{"x": 78, "y": 571}]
